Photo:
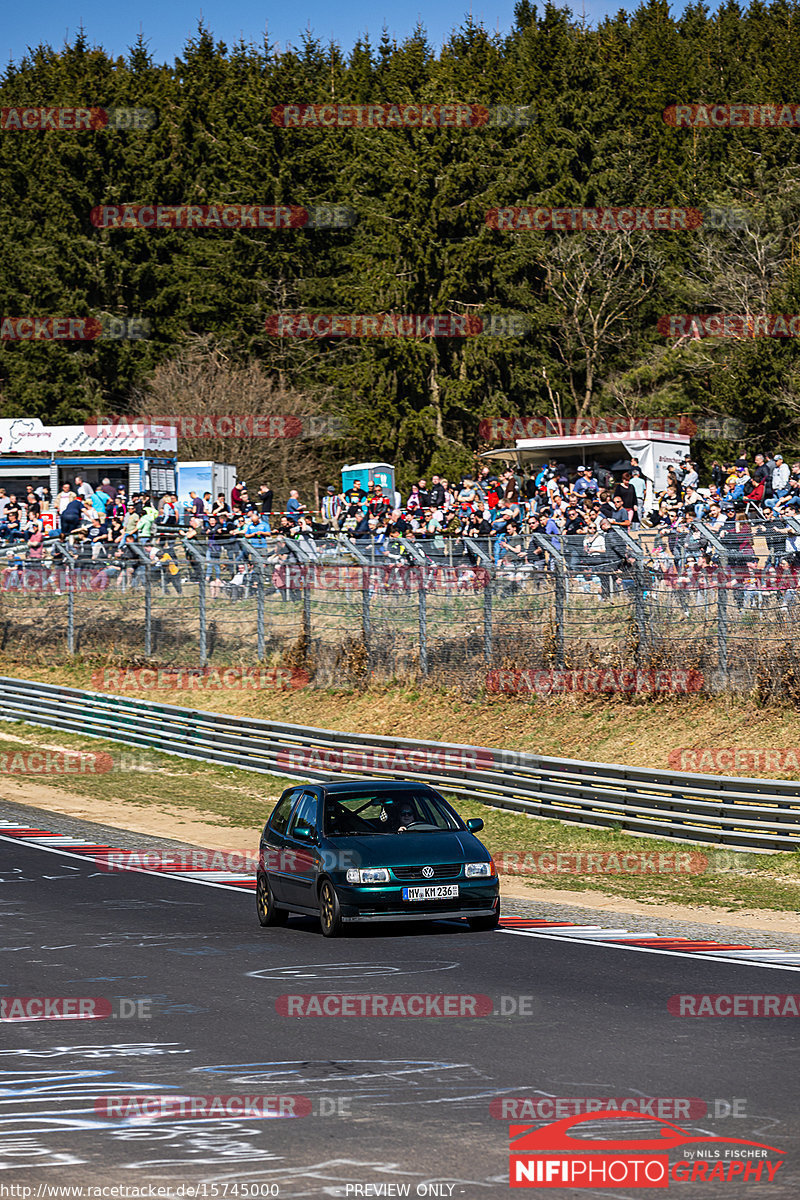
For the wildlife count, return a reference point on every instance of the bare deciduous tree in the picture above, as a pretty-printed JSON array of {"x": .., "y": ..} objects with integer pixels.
[
  {"x": 596, "y": 283},
  {"x": 200, "y": 381}
]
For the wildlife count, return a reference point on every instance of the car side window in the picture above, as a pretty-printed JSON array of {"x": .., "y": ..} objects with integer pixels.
[
  {"x": 280, "y": 818},
  {"x": 306, "y": 811}
]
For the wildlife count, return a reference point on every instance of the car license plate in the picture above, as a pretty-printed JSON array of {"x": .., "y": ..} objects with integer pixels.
[{"x": 444, "y": 891}]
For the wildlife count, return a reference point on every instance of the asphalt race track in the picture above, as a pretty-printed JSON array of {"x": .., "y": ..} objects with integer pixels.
[{"x": 394, "y": 1101}]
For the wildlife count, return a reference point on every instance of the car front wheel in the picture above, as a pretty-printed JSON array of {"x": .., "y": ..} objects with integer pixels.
[
  {"x": 268, "y": 914},
  {"x": 330, "y": 914}
]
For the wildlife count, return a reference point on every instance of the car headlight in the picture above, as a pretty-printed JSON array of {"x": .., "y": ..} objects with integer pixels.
[
  {"x": 478, "y": 870},
  {"x": 368, "y": 875}
]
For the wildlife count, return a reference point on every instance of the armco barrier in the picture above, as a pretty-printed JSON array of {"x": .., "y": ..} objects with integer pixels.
[{"x": 747, "y": 814}]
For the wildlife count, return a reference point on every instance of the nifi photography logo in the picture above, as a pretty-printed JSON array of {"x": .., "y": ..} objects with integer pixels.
[{"x": 551, "y": 1156}]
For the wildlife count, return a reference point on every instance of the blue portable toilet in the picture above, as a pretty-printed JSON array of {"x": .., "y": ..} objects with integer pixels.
[{"x": 367, "y": 474}]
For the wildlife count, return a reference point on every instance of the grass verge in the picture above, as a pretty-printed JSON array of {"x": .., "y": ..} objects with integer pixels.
[{"x": 228, "y": 798}]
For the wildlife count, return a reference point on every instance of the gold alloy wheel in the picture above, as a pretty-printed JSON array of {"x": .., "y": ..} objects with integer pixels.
[
  {"x": 326, "y": 905},
  {"x": 262, "y": 897}
]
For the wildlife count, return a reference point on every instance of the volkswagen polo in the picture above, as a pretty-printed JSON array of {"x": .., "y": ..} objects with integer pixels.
[{"x": 372, "y": 851}]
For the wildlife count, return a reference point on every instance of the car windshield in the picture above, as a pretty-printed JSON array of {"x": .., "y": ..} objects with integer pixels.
[{"x": 385, "y": 811}]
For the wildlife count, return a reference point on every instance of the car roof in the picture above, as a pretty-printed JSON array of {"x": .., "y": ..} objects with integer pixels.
[{"x": 369, "y": 785}]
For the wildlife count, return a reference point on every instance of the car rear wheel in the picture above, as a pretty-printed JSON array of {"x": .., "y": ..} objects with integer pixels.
[
  {"x": 485, "y": 924},
  {"x": 330, "y": 913},
  {"x": 268, "y": 914}
]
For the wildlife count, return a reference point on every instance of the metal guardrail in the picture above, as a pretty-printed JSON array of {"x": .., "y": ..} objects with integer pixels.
[{"x": 744, "y": 814}]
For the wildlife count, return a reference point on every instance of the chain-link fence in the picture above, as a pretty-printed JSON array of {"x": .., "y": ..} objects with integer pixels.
[{"x": 683, "y": 610}]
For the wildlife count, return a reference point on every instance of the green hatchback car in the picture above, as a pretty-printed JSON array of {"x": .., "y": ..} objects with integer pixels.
[{"x": 372, "y": 851}]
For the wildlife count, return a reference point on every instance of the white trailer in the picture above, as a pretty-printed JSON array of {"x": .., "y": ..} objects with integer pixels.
[
  {"x": 656, "y": 451},
  {"x": 203, "y": 476}
]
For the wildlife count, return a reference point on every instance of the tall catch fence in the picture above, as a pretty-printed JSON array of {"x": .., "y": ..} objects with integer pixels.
[{"x": 691, "y": 610}]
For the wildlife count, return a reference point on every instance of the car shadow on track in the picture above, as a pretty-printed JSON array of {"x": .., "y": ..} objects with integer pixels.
[{"x": 366, "y": 932}]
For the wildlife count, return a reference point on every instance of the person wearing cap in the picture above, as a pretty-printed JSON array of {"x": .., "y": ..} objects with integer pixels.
[
  {"x": 780, "y": 482},
  {"x": 332, "y": 508},
  {"x": 741, "y": 479},
  {"x": 792, "y": 497},
  {"x": 581, "y": 484}
]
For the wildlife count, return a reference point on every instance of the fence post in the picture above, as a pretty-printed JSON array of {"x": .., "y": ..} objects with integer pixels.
[
  {"x": 640, "y": 613},
  {"x": 560, "y": 595},
  {"x": 487, "y": 617},
  {"x": 482, "y": 559},
  {"x": 366, "y": 617},
  {"x": 556, "y": 557},
  {"x": 254, "y": 555},
  {"x": 722, "y": 625},
  {"x": 69, "y": 580},
  {"x": 200, "y": 560},
  {"x": 722, "y": 598},
  {"x": 306, "y": 605},
  {"x": 70, "y": 609},
  {"x": 148, "y": 614},
  {"x": 201, "y": 612},
  {"x": 423, "y": 624},
  {"x": 260, "y": 646}
]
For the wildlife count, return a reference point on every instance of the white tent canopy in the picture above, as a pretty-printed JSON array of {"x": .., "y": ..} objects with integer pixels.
[{"x": 655, "y": 451}]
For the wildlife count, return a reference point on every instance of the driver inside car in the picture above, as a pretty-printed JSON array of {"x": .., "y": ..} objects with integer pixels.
[{"x": 407, "y": 817}]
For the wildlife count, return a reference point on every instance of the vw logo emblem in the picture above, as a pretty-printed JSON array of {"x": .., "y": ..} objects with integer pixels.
[{"x": 427, "y": 872}]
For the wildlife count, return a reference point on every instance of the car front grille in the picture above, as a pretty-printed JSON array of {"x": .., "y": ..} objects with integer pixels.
[{"x": 440, "y": 871}]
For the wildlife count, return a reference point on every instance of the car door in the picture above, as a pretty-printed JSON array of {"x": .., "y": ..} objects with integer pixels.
[
  {"x": 273, "y": 842},
  {"x": 301, "y": 851}
]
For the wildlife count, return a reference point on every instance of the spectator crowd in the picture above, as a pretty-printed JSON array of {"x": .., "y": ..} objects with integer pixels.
[{"x": 586, "y": 514}]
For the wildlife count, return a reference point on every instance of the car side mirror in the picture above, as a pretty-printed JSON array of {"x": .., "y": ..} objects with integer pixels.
[
  {"x": 475, "y": 824},
  {"x": 304, "y": 833}
]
